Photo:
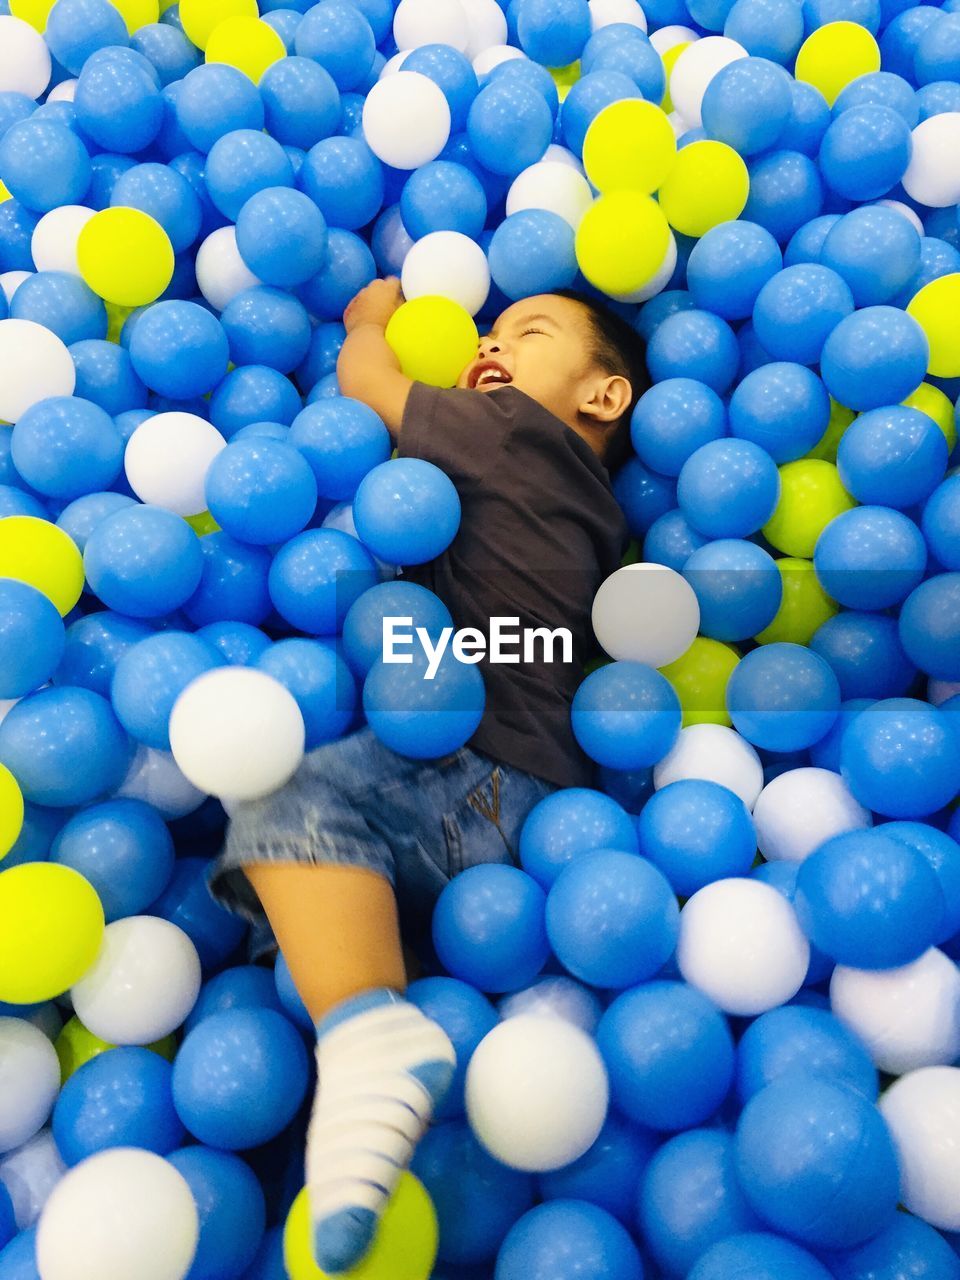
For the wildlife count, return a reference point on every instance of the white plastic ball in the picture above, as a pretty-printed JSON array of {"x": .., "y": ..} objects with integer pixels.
[
  {"x": 30, "y": 1174},
  {"x": 713, "y": 753},
  {"x": 905, "y": 212},
  {"x": 447, "y": 264},
  {"x": 11, "y": 281},
  {"x": 155, "y": 777},
  {"x": 143, "y": 984},
  {"x": 561, "y": 155},
  {"x": 34, "y": 364},
  {"x": 605, "y": 12},
  {"x": 645, "y": 613},
  {"x": 237, "y": 732},
  {"x": 25, "y": 65},
  {"x": 933, "y": 174},
  {"x": 695, "y": 68},
  {"x": 53, "y": 245},
  {"x": 552, "y": 185},
  {"x": 406, "y": 120},
  {"x": 167, "y": 459},
  {"x": 907, "y": 1017},
  {"x": 939, "y": 691},
  {"x": 800, "y": 809},
  {"x": 484, "y": 62},
  {"x": 486, "y": 25},
  {"x": 419, "y": 22},
  {"x": 555, "y": 997},
  {"x": 221, "y": 272},
  {"x": 29, "y": 1081},
  {"x": 123, "y": 1212},
  {"x": 659, "y": 281},
  {"x": 536, "y": 1093},
  {"x": 741, "y": 944},
  {"x": 922, "y": 1110},
  {"x": 394, "y": 63},
  {"x": 65, "y": 91},
  {"x": 669, "y": 37}
]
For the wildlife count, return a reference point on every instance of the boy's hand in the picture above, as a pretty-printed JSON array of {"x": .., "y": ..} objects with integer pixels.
[{"x": 374, "y": 304}]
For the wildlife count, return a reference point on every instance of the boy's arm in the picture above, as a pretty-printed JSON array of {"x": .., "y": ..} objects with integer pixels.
[{"x": 367, "y": 368}]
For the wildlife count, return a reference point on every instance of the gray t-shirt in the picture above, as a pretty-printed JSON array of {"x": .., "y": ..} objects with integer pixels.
[{"x": 540, "y": 530}]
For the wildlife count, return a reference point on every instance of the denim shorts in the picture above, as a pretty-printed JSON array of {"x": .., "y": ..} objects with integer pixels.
[{"x": 354, "y": 802}]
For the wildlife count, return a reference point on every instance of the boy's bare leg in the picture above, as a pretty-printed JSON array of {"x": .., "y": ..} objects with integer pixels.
[
  {"x": 337, "y": 928},
  {"x": 382, "y": 1066}
]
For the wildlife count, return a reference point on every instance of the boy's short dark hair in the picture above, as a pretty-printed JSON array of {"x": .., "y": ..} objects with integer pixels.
[{"x": 618, "y": 349}]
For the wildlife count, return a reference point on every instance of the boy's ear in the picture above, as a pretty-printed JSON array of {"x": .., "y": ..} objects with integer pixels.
[{"x": 609, "y": 400}]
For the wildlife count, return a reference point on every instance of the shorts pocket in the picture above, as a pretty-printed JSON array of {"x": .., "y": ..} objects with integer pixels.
[{"x": 484, "y": 827}]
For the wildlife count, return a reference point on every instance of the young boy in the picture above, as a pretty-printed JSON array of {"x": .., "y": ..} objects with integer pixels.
[{"x": 527, "y": 437}]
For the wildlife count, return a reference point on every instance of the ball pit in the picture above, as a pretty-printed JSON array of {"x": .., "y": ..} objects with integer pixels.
[{"x": 670, "y": 1013}]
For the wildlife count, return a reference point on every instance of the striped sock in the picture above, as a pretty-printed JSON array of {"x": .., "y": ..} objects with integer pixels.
[{"x": 382, "y": 1068}]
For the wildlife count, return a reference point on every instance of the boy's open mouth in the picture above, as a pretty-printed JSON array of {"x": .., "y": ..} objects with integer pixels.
[{"x": 488, "y": 374}]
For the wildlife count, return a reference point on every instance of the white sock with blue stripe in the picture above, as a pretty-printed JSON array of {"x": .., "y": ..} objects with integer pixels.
[{"x": 382, "y": 1069}]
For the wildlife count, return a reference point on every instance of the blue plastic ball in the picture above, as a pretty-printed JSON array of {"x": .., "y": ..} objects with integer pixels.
[
  {"x": 672, "y": 420},
  {"x": 643, "y": 495},
  {"x": 747, "y": 105},
  {"x": 785, "y": 192},
  {"x": 626, "y": 715},
  {"x": 187, "y": 902},
  {"x": 245, "y": 986},
  {"x": 44, "y": 164},
  {"x": 261, "y": 491},
  {"x": 509, "y": 126},
  {"x": 728, "y": 489},
  {"x": 488, "y": 928},
  {"x": 892, "y": 457},
  {"x": 231, "y": 1209},
  {"x": 612, "y": 919},
  {"x": 784, "y": 408},
  {"x": 282, "y": 236},
  {"x": 696, "y": 832},
  {"x": 876, "y": 250},
  {"x": 669, "y": 1055},
  {"x": 547, "y": 1236},
  {"x": 233, "y": 583},
  {"x": 806, "y": 243},
  {"x": 267, "y": 327},
  {"x": 321, "y": 683},
  {"x": 121, "y": 1098},
  {"x": 167, "y": 196},
  {"x": 531, "y": 253},
  {"x": 937, "y": 258},
  {"x": 738, "y": 588},
  {"x": 870, "y": 557},
  {"x": 553, "y": 32},
  {"x": 32, "y": 638},
  {"x": 124, "y": 849},
  {"x": 239, "y": 1078},
  {"x": 793, "y": 1041},
  {"x": 17, "y": 224},
  {"x": 930, "y": 626},
  {"x": 625, "y": 50},
  {"x": 466, "y": 1016},
  {"x": 729, "y": 266},
  {"x": 529, "y": 73},
  {"x": 238, "y": 642},
  {"x": 569, "y": 823},
  {"x": 764, "y": 1257},
  {"x": 214, "y": 100},
  {"x": 171, "y": 53},
  {"x": 143, "y": 561},
  {"x": 118, "y": 101},
  {"x": 936, "y": 98},
  {"x": 942, "y": 852},
  {"x": 240, "y": 164},
  {"x": 874, "y": 357},
  {"x": 406, "y": 511},
  {"x": 64, "y": 746},
  {"x": 81, "y": 27},
  {"x": 900, "y": 757},
  {"x": 941, "y": 523},
  {"x": 880, "y": 88},
  {"x": 316, "y": 577},
  {"x": 149, "y": 678},
  {"x": 301, "y": 102},
  {"x": 808, "y": 121},
  {"x": 105, "y": 375},
  {"x": 341, "y": 40},
  {"x": 363, "y": 626},
  {"x": 766, "y": 28},
  {"x": 94, "y": 645},
  {"x": 817, "y": 1161},
  {"x": 179, "y": 349},
  {"x": 694, "y": 344},
  {"x": 782, "y": 697},
  {"x": 62, "y": 303},
  {"x": 348, "y": 267},
  {"x": 452, "y": 71},
  {"x": 421, "y": 717},
  {"x": 345, "y": 180},
  {"x": 865, "y": 152},
  {"x": 671, "y": 541},
  {"x": 609, "y": 1175},
  {"x": 908, "y": 1244},
  {"x": 253, "y": 393},
  {"x": 938, "y": 53},
  {"x": 866, "y": 655}
]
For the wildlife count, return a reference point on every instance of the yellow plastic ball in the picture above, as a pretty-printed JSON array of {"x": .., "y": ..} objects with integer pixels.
[
  {"x": 826, "y": 446},
  {"x": 669, "y": 60},
  {"x": 125, "y": 256},
  {"x": 835, "y": 54},
  {"x": 707, "y": 185},
  {"x": 811, "y": 495},
  {"x": 36, "y": 12},
  {"x": 51, "y": 928},
  {"x": 699, "y": 678},
  {"x": 932, "y": 401},
  {"x": 804, "y": 606},
  {"x": 249, "y": 44},
  {"x": 404, "y": 1248},
  {"x": 37, "y": 552},
  {"x": 935, "y": 309},
  {"x": 4, "y": 194},
  {"x": 565, "y": 78},
  {"x": 630, "y": 146},
  {"x": 11, "y": 811},
  {"x": 202, "y": 524},
  {"x": 434, "y": 339},
  {"x": 200, "y": 18},
  {"x": 137, "y": 13},
  {"x": 622, "y": 241},
  {"x": 76, "y": 1045}
]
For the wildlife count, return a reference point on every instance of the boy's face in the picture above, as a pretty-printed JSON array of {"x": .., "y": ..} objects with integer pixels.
[{"x": 541, "y": 346}]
